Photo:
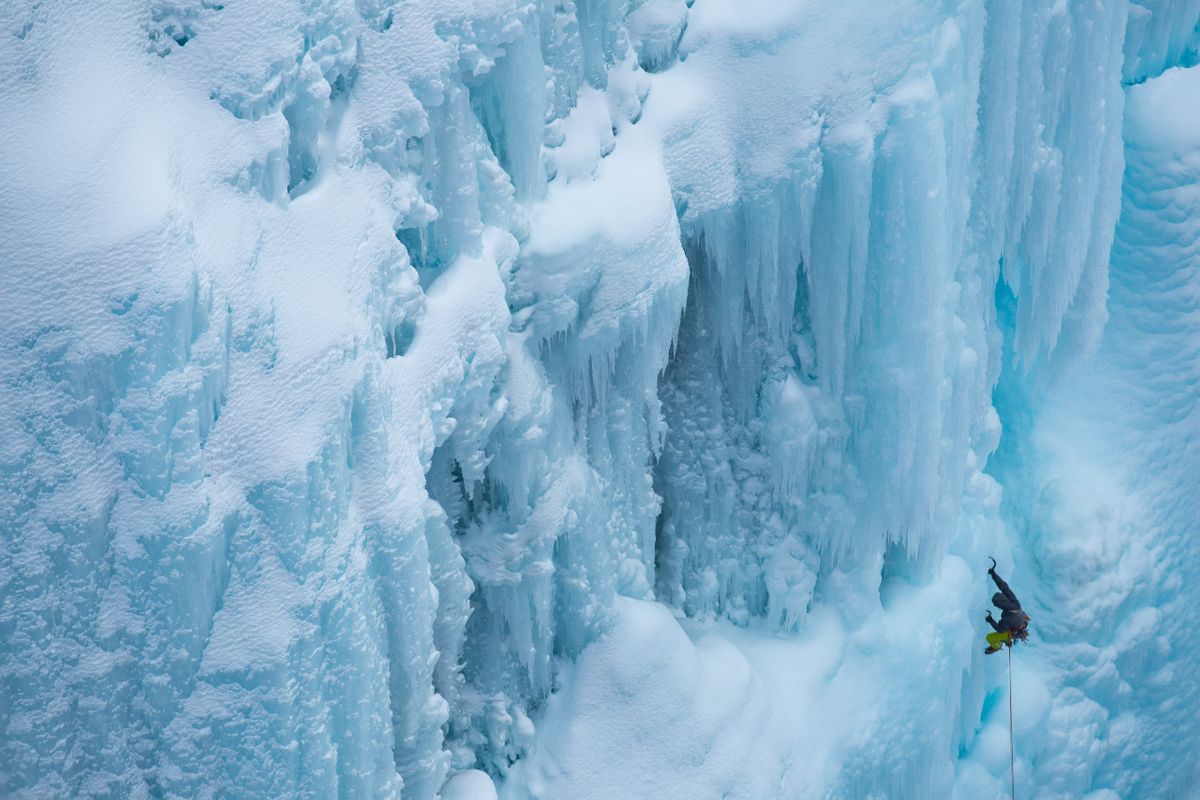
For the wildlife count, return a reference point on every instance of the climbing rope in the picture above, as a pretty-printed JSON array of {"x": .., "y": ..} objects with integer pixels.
[{"x": 1012, "y": 770}]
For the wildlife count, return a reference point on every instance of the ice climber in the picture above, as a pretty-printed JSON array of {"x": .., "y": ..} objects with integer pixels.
[{"x": 1014, "y": 622}]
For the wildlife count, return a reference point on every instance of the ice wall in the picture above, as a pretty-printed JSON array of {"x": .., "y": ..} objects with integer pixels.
[
  {"x": 1100, "y": 489},
  {"x": 322, "y": 436},
  {"x": 848, "y": 267},
  {"x": 357, "y": 356}
]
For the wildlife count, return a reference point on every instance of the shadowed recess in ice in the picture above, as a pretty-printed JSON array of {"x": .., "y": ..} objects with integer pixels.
[{"x": 397, "y": 399}]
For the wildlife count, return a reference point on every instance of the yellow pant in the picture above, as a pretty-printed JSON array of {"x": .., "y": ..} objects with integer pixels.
[{"x": 998, "y": 638}]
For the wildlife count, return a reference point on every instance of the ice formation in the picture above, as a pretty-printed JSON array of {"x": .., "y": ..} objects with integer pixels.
[{"x": 597, "y": 398}]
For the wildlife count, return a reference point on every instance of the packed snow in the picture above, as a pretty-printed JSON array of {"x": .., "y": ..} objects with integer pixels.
[{"x": 580, "y": 399}]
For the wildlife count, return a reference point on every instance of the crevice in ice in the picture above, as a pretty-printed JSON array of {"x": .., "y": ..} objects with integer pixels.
[
  {"x": 512, "y": 111},
  {"x": 732, "y": 447},
  {"x": 172, "y": 25},
  {"x": 313, "y": 124},
  {"x": 418, "y": 243},
  {"x": 399, "y": 338},
  {"x": 310, "y": 89}
]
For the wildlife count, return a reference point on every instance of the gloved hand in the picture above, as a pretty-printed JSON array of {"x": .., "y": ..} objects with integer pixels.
[{"x": 990, "y": 618}]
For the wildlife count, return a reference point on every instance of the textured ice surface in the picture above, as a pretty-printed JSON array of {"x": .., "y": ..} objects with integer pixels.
[
  {"x": 1104, "y": 496},
  {"x": 392, "y": 393}
]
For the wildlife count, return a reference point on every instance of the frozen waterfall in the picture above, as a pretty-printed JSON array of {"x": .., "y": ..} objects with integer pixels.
[{"x": 572, "y": 399}]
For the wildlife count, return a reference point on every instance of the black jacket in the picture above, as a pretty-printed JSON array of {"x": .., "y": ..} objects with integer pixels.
[{"x": 1013, "y": 617}]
